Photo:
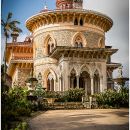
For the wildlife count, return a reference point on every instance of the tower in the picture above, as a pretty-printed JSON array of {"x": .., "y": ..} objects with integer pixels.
[
  {"x": 69, "y": 4},
  {"x": 14, "y": 36},
  {"x": 69, "y": 48}
]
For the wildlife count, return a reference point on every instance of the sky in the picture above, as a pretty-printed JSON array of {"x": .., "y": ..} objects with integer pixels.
[{"x": 117, "y": 37}]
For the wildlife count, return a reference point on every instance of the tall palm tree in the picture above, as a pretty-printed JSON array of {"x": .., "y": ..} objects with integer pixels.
[{"x": 9, "y": 26}]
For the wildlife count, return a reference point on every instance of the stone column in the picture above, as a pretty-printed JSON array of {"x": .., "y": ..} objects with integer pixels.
[
  {"x": 72, "y": 82},
  {"x": 92, "y": 92},
  {"x": 77, "y": 77},
  {"x": 101, "y": 83},
  {"x": 85, "y": 81},
  {"x": 59, "y": 84},
  {"x": 50, "y": 84},
  {"x": 69, "y": 82}
]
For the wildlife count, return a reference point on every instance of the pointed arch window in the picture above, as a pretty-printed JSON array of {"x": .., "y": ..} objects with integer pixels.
[
  {"x": 50, "y": 82},
  {"x": 50, "y": 45},
  {"x": 81, "y": 22},
  {"x": 76, "y": 22},
  {"x": 78, "y": 42}
]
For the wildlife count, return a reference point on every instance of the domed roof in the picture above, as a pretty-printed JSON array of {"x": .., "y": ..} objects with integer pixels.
[{"x": 14, "y": 33}]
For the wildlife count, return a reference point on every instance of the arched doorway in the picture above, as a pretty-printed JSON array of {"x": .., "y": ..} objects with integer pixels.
[
  {"x": 73, "y": 81},
  {"x": 96, "y": 82},
  {"x": 50, "y": 82},
  {"x": 85, "y": 82}
]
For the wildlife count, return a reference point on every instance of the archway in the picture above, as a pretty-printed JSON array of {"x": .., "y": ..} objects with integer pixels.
[
  {"x": 73, "y": 80},
  {"x": 49, "y": 79},
  {"x": 79, "y": 40},
  {"x": 85, "y": 82},
  {"x": 49, "y": 44},
  {"x": 50, "y": 82}
]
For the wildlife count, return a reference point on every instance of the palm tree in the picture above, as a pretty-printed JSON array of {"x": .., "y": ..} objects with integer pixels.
[{"x": 9, "y": 26}]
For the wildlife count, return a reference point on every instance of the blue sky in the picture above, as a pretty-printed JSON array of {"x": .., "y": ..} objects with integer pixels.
[
  {"x": 23, "y": 9},
  {"x": 118, "y": 10}
]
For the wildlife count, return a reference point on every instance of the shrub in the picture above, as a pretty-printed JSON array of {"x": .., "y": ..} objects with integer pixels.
[
  {"x": 113, "y": 99},
  {"x": 14, "y": 104},
  {"x": 39, "y": 90},
  {"x": 51, "y": 94},
  {"x": 74, "y": 95}
]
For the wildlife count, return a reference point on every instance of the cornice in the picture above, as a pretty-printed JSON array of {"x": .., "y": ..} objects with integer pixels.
[{"x": 68, "y": 16}]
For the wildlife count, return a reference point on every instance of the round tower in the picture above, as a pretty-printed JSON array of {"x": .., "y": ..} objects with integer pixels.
[{"x": 70, "y": 38}]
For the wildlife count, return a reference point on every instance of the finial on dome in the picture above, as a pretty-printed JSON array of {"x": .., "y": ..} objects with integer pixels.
[{"x": 45, "y": 5}]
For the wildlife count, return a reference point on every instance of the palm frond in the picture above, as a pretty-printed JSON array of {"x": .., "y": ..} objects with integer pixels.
[
  {"x": 15, "y": 22},
  {"x": 9, "y": 16},
  {"x": 16, "y": 29},
  {"x": 2, "y": 23}
]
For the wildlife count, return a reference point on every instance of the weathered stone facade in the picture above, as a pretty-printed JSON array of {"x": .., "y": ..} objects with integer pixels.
[{"x": 69, "y": 49}]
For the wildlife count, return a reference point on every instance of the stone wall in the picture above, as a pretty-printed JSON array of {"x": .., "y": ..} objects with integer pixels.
[
  {"x": 23, "y": 74},
  {"x": 65, "y": 38}
]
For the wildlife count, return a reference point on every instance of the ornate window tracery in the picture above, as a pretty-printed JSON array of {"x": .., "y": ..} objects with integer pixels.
[
  {"x": 78, "y": 42},
  {"x": 50, "y": 45},
  {"x": 50, "y": 82}
]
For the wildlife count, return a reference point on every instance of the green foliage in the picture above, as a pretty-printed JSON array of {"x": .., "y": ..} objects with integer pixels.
[
  {"x": 113, "y": 99},
  {"x": 51, "y": 94},
  {"x": 39, "y": 90},
  {"x": 14, "y": 105},
  {"x": 74, "y": 95},
  {"x": 22, "y": 126}
]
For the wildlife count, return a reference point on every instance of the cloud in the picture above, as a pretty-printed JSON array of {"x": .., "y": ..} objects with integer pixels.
[{"x": 118, "y": 36}]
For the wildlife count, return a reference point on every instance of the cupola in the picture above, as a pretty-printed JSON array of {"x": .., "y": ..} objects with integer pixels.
[
  {"x": 69, "y": 4},
  {"x": 14, "y": 36}
]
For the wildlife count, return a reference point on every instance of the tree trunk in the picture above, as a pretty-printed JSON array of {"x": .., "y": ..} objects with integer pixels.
[{"x": 5, "y": 59}]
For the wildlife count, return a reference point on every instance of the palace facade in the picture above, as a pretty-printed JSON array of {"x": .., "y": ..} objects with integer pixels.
[{"x": 66, "y": 49}]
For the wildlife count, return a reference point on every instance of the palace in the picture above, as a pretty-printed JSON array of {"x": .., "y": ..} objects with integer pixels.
[{"x": 66, "y": 49}]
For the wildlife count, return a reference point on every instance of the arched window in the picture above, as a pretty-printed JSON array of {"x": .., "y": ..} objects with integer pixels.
[
  {"x": 76, "y": 22},
  {"x": 50, "y": 82},
  {"x": 78, "y": 42},
  {"x": 81, "y": 22},
  {"x": 73, "y": 80},
  {"x": 50, "y": 46}
]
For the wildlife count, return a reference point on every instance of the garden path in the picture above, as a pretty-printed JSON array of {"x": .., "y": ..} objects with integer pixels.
[{"x": 90, "y": 119}]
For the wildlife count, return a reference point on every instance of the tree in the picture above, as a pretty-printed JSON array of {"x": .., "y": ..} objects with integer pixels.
[{"x": 9, "y": 26}]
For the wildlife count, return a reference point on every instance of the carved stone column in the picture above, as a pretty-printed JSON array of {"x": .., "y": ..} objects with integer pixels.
[
  {"x": 101, "y": 83},
  {"x": 92, "y": 92},
  {"x": 69, "y": 85},
  {"x": 72, "y": 82},
  {"x": 77, "y": 77}
]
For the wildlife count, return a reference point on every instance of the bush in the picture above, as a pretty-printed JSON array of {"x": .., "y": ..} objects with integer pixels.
[
  {"x": 14, "y": 104},
  {"x": 22, "y": 126},
  {"x": 51, "y": 94},
  {"x": 74, "y": 95},
  {"x": 113, "y": 99}
]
